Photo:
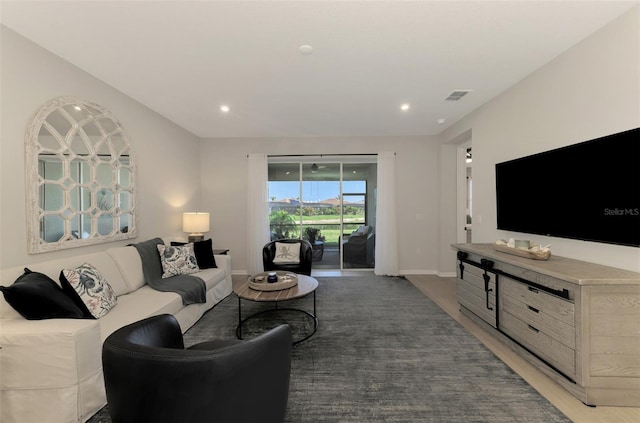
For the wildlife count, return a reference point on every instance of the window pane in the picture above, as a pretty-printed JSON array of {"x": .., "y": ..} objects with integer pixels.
[{"x": 284, "y": 200}]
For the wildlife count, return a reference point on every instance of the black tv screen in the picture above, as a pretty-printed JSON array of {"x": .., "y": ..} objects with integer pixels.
[{"x": 588, "y": 191}]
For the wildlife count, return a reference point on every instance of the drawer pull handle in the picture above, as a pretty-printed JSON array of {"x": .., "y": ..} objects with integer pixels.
[
  {"x": 533, "y": 329},
  {"x": 532, "y": 289},
  {"x": 535, "y": 310}
]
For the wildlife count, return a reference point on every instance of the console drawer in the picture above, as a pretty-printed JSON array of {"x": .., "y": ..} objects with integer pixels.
[
  {"x": 534, "y": 298},
  {"x": 556, "y": 329},
  {"x": 540, "y": 343}
]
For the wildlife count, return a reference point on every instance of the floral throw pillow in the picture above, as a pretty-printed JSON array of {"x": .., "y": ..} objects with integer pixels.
[
  {"x": 287, "y": 253},
  {"x": 89, "y": 290},
  {"x": 177, "y": 260}
]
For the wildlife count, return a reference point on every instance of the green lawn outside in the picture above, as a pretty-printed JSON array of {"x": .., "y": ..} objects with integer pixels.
[
  {"x": 332, "y": 218},
  {"x": 329, "y": 225}
]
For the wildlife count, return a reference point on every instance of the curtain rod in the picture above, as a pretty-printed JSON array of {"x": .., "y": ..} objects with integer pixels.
[
  {"x": 320, "y": 155},
  {"x": 324, "y": 155}
]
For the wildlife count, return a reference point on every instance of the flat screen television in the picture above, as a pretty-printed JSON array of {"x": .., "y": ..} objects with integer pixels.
[{"x": 588, "y": 191}]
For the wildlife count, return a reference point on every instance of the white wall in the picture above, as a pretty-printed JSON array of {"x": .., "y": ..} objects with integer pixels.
[
  {"x": 224, "y": 185},
  {"x": 168, "y": 178},
  {"x": 591, "y": 90}
]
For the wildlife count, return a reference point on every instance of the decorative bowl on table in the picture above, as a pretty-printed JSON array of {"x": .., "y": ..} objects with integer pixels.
[
  {"x": 260, "y": 282},
  {"x": 528, "y": 250}
]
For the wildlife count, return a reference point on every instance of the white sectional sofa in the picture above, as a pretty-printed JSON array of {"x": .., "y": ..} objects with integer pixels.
[{"x": 51, "y": 370}]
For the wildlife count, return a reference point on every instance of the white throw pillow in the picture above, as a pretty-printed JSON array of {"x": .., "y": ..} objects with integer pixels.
[
  {"x": 90, "y": 288},
  {"x": 287, "y": 253},
  {"x": 178, "y": 260}
]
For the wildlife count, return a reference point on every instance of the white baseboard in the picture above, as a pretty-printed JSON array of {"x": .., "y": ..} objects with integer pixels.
[
  {"x": 418, "y": 272},
  {"x": 401, "y": 272},
  {"x": 429, "y": 272}
]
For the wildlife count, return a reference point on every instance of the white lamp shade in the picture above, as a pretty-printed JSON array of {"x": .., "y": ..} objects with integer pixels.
[{"x": 195, "y": 222}]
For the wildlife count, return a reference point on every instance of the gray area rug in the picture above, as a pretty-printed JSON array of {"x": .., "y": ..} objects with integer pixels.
[{"x": 383, "y": 352}]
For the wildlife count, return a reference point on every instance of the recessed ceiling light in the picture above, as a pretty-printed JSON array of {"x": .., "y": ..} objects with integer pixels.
[
  {"x": 78, "y": 108},
  {"x": 405, "y": 107},
  {"x": 441, "y": 121},
  {"x": 224, "y": 109},
  {"x": 305, "y": 49}
]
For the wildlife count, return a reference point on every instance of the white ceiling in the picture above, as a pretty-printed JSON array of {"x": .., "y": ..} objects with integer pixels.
[{"x": 184, "y": 59}]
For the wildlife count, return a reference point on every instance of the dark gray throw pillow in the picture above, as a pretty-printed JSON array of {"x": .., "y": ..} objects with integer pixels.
[
  {"x": 36, "y": 297},
  {"x": 203, "y": 251}
]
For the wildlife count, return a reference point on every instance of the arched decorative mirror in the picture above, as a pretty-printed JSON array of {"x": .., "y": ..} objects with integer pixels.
[{"x": 80, "y": 177}]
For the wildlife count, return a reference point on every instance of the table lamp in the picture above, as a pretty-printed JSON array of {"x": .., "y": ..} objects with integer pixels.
[{"x": 195, "y": 223}]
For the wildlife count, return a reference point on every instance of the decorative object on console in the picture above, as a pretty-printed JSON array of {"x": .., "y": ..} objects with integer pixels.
[
  {"x": 177, "y": 260},
  {"x": 534, "y": 251},
  {"x": 203, "y": 251},
  {"x": 36, "y": 297},
  {"x": 195, "y": 223},
  {"x": 77, "y": 151},
  {"x": 89, "y": 290},
  {"x": 523, "y": 244}
]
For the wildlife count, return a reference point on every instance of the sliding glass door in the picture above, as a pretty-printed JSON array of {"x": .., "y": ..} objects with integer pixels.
[
  {"x": 324, "y": 202},
  {"x": 358, "y": 214}
]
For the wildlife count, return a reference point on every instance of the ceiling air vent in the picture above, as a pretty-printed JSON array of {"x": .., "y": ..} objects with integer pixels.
[{"x": 457, "y": 95}]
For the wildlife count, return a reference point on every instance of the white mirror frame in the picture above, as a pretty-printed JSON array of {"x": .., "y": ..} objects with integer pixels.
[{"x": 105, "y": 146}]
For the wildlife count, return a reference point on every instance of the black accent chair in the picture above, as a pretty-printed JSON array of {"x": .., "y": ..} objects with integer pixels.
[
  {"x": 150, "y": 377},
  {"x": 306, "y": 257}
]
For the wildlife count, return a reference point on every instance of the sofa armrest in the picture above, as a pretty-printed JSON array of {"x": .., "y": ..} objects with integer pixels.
[
  {"x": 59, "y": 352},
  {"x": 47, "y": 365},
  {"x": 223, "y": 261}
]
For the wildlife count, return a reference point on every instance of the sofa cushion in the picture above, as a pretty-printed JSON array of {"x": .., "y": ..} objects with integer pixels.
[
  {"x": 89, "y": 289},
  {"x": 211, "y": 277},
  {"x": 36, "y": 296},
  {"x": 177, "y": 260},
  {"x": 130, "y": 265},
  {"x": 203, "y": 251},
  {"x": 138, "y": 305}
]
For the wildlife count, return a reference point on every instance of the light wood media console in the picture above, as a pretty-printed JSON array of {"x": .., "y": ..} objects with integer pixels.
[{"x": 578, "y": 322}]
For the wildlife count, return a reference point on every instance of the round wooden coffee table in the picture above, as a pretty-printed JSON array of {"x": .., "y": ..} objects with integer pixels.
[{"x": 306, "y": 285}]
